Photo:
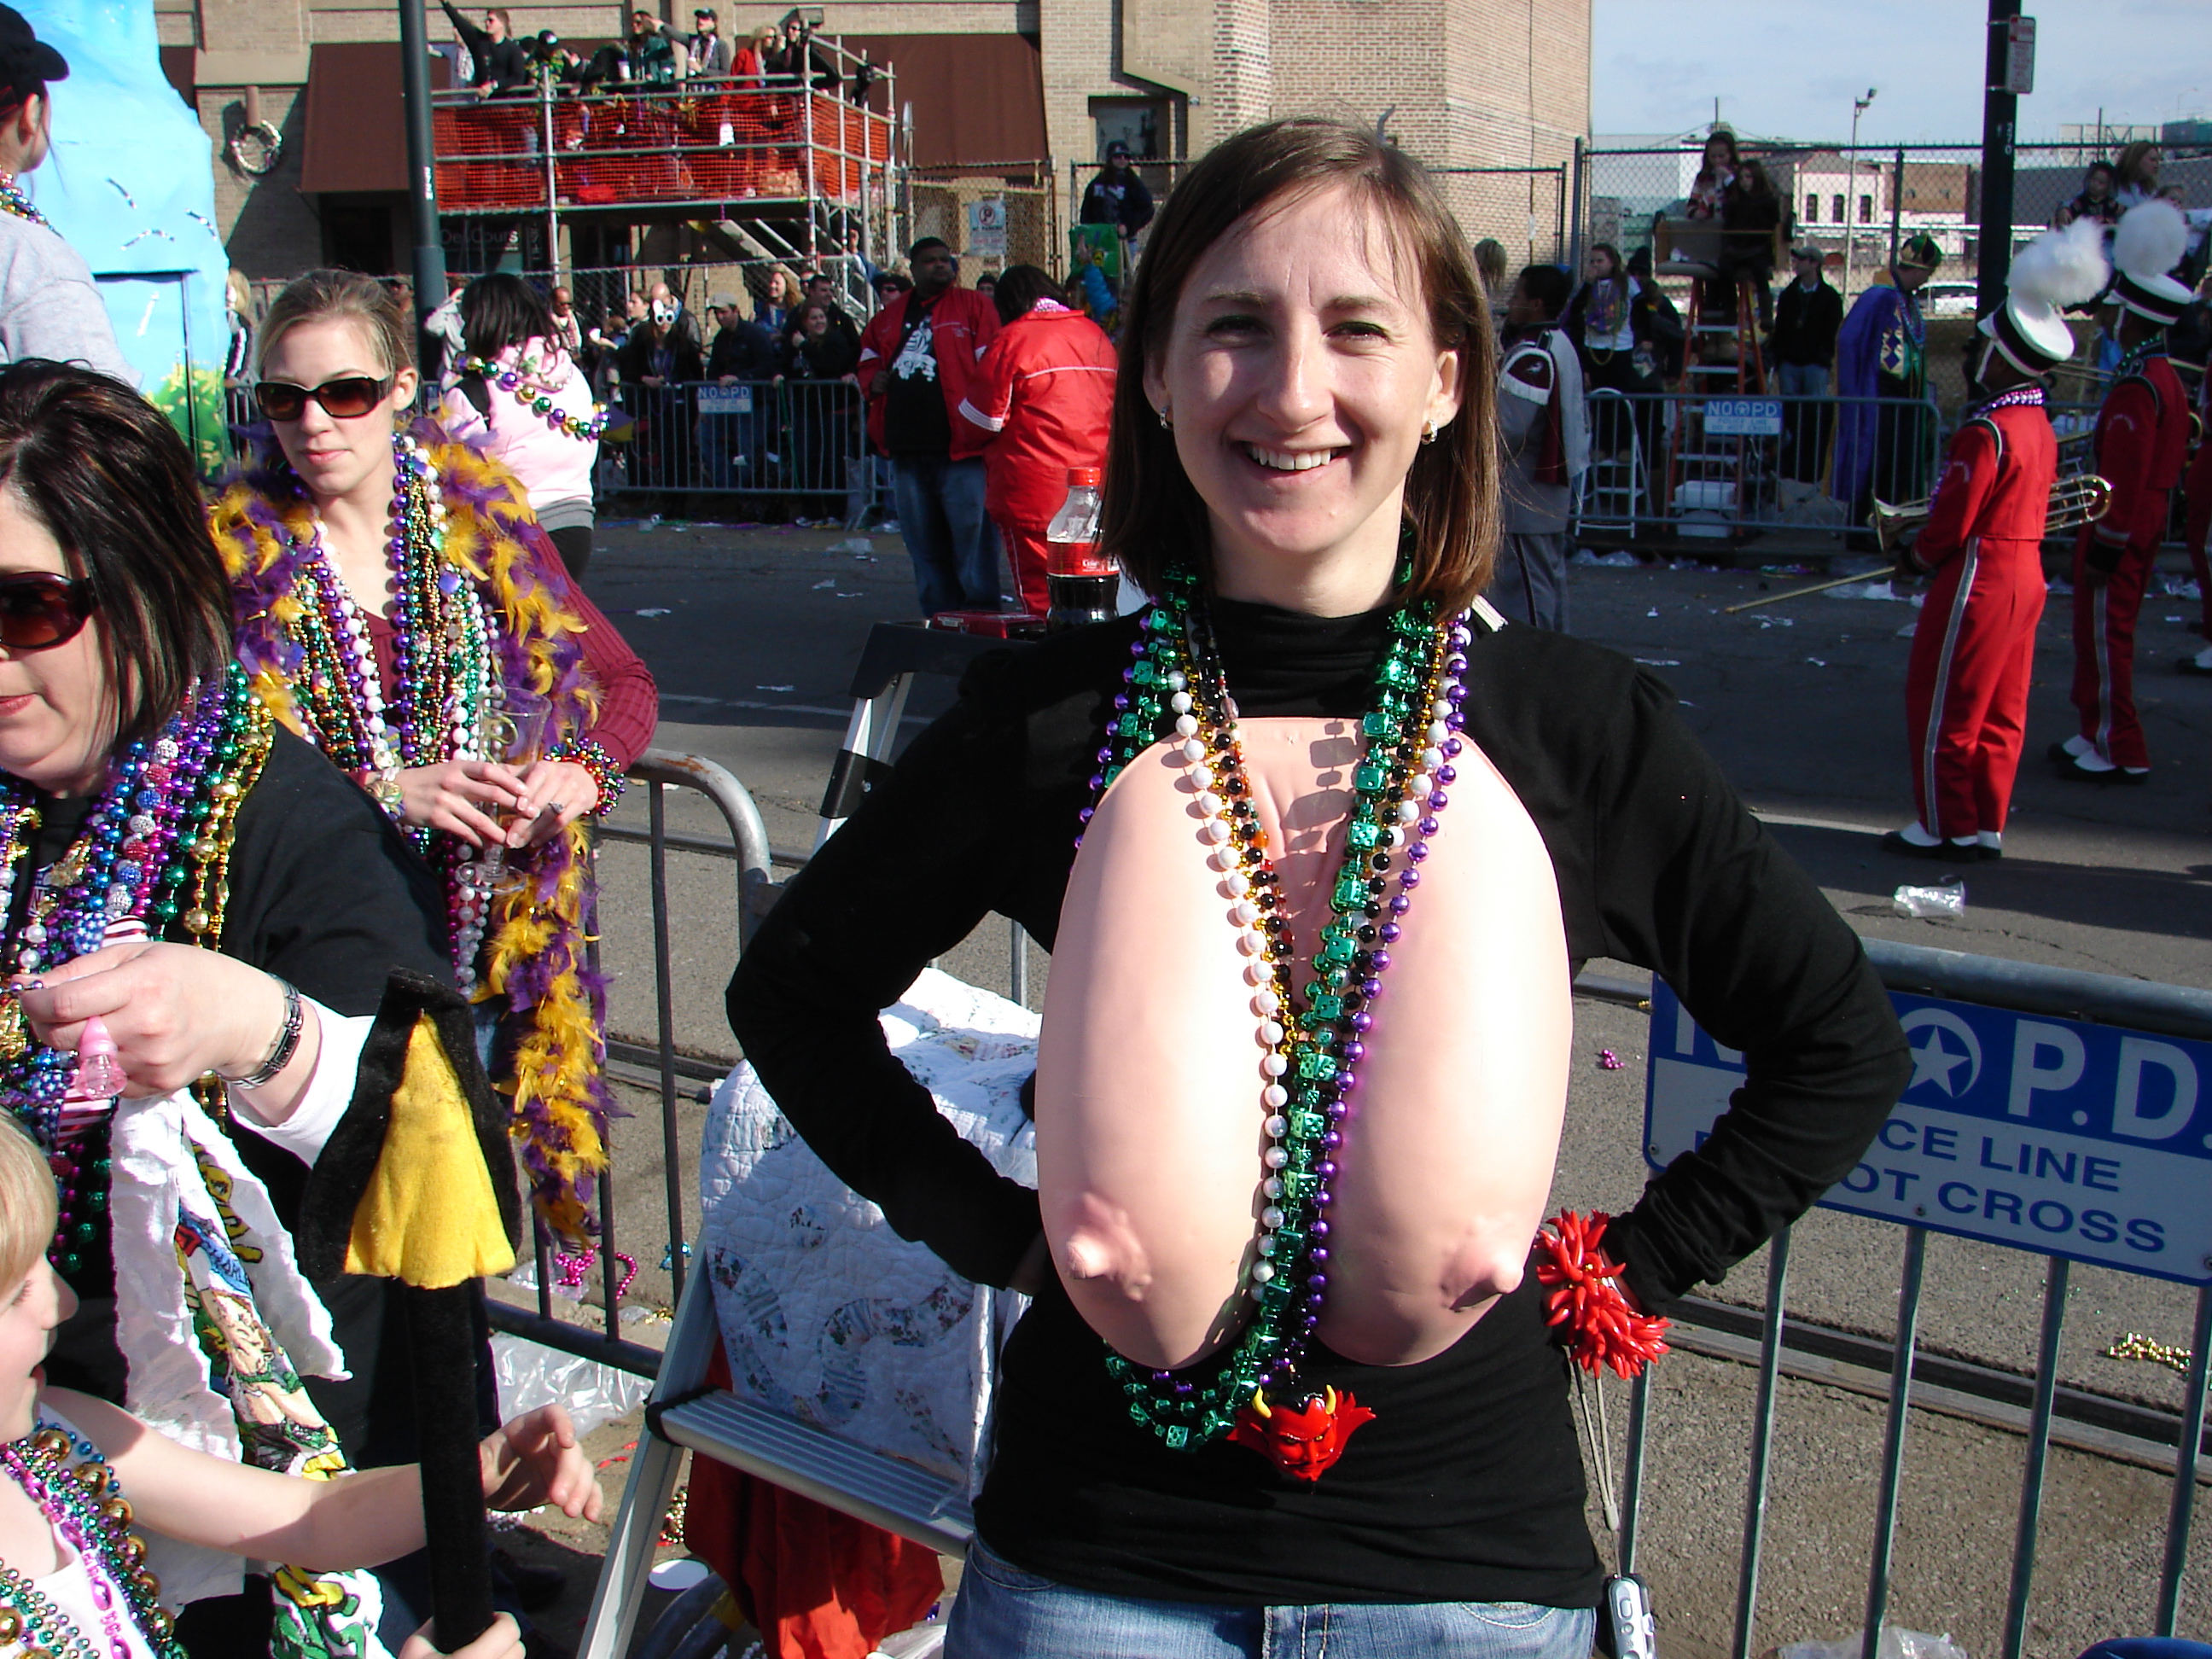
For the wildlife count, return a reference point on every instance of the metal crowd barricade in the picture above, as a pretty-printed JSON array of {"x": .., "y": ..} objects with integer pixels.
[
  {"x": 659, "y": 770},
  {"x": 2129, "y": 1005},
  {"x": 804, "y": 439},
  {"x": 1720, "y": 467}
]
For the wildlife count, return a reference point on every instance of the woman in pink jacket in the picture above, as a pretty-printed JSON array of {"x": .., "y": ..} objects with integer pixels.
[
  {"x": 517, "y": 395},
  {"x": 1044, "y": 391}
]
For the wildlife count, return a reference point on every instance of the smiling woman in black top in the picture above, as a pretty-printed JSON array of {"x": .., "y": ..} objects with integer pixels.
[{"x": 1296, "y": 1118}]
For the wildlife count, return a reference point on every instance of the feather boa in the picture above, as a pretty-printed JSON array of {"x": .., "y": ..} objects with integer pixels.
[{"x": 533, "y": 954}]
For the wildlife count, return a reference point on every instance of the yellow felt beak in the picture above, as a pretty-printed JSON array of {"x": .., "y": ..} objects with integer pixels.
[{"x": 429, "y": 1216}]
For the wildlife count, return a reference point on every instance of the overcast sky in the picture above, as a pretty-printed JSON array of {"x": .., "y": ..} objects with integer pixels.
[{"x": 1791, "y": 68}]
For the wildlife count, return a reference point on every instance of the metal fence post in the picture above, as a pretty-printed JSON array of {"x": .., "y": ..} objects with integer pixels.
[
  {"x": 663, "y": 993},
  {"x": 1632, "y": 1479},
  {"x": 1762, "y": 1441},
  {"x": 1578, "y": 202},
  {"x": 2182, "y": 1512},
  {"x": 1892, "y": 1446},
  {"x": 2058, "y": 1277},
  {"x": 1896, "y": 203}
]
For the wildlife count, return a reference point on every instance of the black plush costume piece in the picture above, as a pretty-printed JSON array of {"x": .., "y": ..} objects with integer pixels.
[{"x": 1467, "y": 1485}]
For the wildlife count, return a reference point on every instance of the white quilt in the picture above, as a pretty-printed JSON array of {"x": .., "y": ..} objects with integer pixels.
[{"x": 828, "y": 1315}]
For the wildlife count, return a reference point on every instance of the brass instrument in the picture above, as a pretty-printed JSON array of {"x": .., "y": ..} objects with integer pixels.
[{"x": 2077, "y": 499}]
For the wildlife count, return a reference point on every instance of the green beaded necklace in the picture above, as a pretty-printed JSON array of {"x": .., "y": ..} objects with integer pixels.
[{"x": 1313, "y": 1039}]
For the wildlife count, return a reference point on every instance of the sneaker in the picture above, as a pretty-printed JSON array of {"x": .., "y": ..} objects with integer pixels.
[
  {"x": 1914, "y": 842},
  {"x": 2073, "y": 748},
  {"x": 2094, "y": 768},
  {"x": 2199, "y": 664}
]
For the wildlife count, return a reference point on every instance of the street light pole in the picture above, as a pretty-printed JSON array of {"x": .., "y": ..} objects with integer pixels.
[
  {"x": 1852, "y": 190},
  {"x": 429, "y": 263},
  {"x": 2000, "y": 113}
]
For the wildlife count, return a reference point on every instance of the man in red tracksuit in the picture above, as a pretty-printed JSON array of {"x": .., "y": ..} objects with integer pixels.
[
  {"x": 917, "y": 359},
  {"x": 1042, "y": 398},
  {"x": 1966, "y": 687},
  {"x": 2142, "y": 444}
]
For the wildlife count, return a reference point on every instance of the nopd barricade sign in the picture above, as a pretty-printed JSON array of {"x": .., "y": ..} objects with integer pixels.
[{"x": 2050, "y": 1136}]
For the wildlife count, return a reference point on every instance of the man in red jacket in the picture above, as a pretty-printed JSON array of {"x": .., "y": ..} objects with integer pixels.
[
  {"x": 1966, "y": 684},
  {"x": 918, "y": 360},
  {"x": 1043, "y": 400},
  {"x": 2141, "y": 445}
]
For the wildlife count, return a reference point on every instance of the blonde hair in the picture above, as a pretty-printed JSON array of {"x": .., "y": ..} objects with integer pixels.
[
  {"x": 28, "y": 1206},
  {"x": 332, "y": 295}
]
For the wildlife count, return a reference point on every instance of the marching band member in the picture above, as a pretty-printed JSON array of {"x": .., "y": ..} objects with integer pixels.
[
  {"x": 2198, "y": 537},
  {"x": 1965, "y": 690},
  {"x": 2142, "y": 444}
]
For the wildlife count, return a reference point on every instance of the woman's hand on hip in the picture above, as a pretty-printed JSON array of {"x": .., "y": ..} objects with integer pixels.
[
  {"x": 556, "y": 794},
  {"x": 176, "y": 1013},
  {"x": 461, "y": 799}
]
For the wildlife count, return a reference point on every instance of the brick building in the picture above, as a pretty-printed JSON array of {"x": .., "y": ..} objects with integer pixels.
[{"x": 1493, "y": 84}]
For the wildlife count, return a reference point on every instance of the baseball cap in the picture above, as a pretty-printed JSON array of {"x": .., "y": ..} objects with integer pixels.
[
  {"x": 721, "y": 302},
  {"x": 27, "y": 63},
  {"x": 1117, "y": 147}
]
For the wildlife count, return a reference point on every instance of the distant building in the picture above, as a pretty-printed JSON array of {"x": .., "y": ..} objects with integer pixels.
[{"x": 1474, "y": 84}]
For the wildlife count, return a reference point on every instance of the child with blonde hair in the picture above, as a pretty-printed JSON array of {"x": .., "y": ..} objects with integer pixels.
[{"x": 82, "y": 1476}]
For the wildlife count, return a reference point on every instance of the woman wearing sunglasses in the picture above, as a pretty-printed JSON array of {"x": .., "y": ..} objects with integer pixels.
[
  {"x": 185, "y": 889},
  {"x": 398, "y": 606}
]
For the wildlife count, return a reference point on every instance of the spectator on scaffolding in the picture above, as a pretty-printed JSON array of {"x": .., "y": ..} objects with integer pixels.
[
  {"x": 820, "y": 361},
  {"x": 1751, "y": 215},
  {"x": 1709, "y": 191},
  {"x": 1117, "y": 196},
  {"x": 557, "y": 65},
  {"x": 1804, "y": 349},
  {"x": 751, "y": 63},
  {"x": 1044, "y": 397},
  {"x": 519, "y": 396},
  {"x": 711, "y": 59},
  {"x": 653, "y": 56},
  {"x": 917, "y": 362},
  {"x": 502, "y": 64},
  {"x": 2096, "y": 201},
  {"x": 798, "y": 60}
]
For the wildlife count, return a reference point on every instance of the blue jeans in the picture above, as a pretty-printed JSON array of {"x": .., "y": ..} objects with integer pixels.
[
  {"x": 1003, "y": 1612},
  {"x": 727, "y": 454},
  {"x": 1806, "y": 427},
  {"x": 951, "y": 540}
]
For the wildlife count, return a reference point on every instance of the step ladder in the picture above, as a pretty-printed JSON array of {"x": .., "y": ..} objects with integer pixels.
[
  {"x": 1711, "y": 477},
  {"x": 1611, "y": 492}
]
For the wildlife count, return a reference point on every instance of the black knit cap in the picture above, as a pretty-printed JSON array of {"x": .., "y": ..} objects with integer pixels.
[{"x": 27, "y": 63}]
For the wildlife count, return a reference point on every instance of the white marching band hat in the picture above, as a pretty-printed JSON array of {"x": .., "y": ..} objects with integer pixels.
[
  {"x": 2149, "y": 242},
  {"x": 2058, "y": 268}
]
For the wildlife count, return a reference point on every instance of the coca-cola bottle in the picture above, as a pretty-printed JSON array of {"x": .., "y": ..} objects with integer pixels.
[{"x": 1081, "y": 584}]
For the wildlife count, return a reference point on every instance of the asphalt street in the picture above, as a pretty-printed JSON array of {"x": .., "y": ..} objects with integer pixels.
[{"x": 753, "y": 634}]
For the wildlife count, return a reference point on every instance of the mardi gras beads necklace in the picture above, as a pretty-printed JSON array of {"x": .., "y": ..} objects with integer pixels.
[
  {"x": 14, "y": 201},
  {"x": 1314, "y": 1036},
  {"x": 525, "y": 381},
  {"x": 448, "y": 690},
  {"x": 85, "y": 1505},
  {"x": 155, "y": 846}
]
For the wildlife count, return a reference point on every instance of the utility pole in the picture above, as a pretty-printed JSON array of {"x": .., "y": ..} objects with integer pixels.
[
  {"x": 422, "y": 176},
  {"x": 1852, "y": 185},
  {"x": 2010, "y": 72}
]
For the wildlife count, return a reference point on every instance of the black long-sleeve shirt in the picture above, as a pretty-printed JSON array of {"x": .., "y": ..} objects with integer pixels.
[
  {"x": 1467, "y": 1485},
  {"x": 1806, "y": 324},
  {"x": 501, "y": 65}
]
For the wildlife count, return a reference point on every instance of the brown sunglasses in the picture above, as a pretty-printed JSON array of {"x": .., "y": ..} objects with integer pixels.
[
  {"x": 39, "y": 611},
  {"x": 348, "y": 399}
]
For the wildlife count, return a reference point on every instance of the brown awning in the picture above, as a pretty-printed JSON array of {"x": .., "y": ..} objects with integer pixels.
[
  {"x": 355, "y": 136},
  {"x": 976, "y": 97}
]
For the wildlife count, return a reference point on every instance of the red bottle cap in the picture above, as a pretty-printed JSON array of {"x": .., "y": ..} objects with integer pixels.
[{"x": 1091, "y": 476}]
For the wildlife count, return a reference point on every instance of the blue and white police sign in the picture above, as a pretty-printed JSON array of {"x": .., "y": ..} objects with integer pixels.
[
  {"x": 2042, "y": 1134},
  {"x": 1742, "y": 417}
]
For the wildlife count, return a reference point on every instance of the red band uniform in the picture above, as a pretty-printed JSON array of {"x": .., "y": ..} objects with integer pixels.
[
  {"x": 1966, "y": 688},
  {"x": 2198, "y": 491},
  {"x": 2142, "y": 444}
]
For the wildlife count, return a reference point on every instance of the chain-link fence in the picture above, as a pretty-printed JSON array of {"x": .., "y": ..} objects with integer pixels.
[
  {"x": 1526, "y": 210},
  {"x": 992, "y": 213}
]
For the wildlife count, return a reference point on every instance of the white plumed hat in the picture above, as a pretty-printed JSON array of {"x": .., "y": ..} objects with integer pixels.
[{"x": 2058, "y": 269}]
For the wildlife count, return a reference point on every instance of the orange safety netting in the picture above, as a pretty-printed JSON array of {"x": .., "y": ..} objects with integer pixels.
[{"x": 709, "y": 146}]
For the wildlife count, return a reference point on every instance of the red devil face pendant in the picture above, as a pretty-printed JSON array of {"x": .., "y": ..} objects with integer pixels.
[{"x": 1304, "y": 1440}]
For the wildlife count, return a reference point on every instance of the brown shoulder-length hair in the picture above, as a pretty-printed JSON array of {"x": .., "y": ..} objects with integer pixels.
[
  {"x": 113, "y": 482},
  {"x": 1151, "y": 514}
]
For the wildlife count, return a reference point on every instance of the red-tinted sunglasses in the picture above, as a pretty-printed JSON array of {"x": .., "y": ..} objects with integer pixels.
[
  {"x": 39, "y": 611},
  {"x": 348, "y": 399}
]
